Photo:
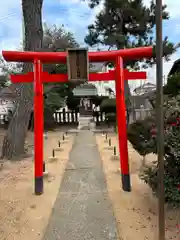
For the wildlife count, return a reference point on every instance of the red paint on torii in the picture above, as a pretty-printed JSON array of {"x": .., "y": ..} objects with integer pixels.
[
  {"x": 93, "y": 77},
  {"x": 40, "y": 77},
  {"x": 61, "y": 57}
]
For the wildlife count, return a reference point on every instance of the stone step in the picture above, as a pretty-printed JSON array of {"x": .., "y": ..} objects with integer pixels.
[{"x": 84, "y": 122}]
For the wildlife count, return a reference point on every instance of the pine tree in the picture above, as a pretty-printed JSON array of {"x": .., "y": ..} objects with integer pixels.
[{"x": 127, "y": 24}]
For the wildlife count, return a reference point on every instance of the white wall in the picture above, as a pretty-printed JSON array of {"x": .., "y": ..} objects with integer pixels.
[
  {"x": 101, "y": 86},
  {"x": 5, "y": 105}
]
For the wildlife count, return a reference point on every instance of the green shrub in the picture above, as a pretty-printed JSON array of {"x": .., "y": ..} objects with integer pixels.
[
  {"x": 142, "y": 135},
  {"x": 111, "y": 119},
  {"x": 49, "y": 121},
  {"x": 108, "y": 105},
  {"x": 173, "y": 85},
  {"x": 72, "y": 102},
  {"x": 97, "y": 100},
  {"x": 172, "y": 167}
]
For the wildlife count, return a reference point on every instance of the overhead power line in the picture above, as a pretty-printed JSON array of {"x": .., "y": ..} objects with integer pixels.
[{"x": 7, "y": 16}]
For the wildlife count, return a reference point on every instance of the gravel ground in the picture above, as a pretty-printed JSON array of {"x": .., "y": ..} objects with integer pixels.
[
  {"x": 136, "y": 212},
  {"x": 23, "y": 215}
]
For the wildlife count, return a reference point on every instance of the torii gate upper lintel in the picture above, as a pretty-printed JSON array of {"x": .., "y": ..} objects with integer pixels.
[
  {"x": 61, "y": 57},
  {"x": 40, "y": 77}
]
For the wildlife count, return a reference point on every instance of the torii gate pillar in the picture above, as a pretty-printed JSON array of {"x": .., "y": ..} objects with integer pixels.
[
  {"x": 38, "y": 127},
  {"x": 121, "y": 122}
]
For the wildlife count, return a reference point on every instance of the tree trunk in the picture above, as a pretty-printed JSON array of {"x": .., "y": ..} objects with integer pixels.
[{"x": 13, "y": 144}]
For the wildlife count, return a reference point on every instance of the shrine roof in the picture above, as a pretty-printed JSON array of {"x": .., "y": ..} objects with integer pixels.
[{"x": 85, "y": 89}]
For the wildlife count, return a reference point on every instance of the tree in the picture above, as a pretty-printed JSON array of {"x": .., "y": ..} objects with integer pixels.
[
  {"x": 108, "y": 106},
  {"x": 127, "y": 24},
  {"x": 13, "y": 146},
  {"x": 57, "y": 39},
  {"x": 72, "y": 102},
  {"x": 97, "y": 100},
  {"x": 172, "y": 87},
  {"x": 54, "y": 39}
]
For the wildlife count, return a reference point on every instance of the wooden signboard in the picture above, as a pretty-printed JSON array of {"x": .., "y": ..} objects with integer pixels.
[{"x": 78, "y": 64}]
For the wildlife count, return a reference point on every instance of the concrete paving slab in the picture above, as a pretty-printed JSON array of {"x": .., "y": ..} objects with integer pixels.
[{"x": 82, "y": 210}]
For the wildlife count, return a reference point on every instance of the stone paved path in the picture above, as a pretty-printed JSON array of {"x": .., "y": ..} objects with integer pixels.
[{"x": 82, "y": 210}]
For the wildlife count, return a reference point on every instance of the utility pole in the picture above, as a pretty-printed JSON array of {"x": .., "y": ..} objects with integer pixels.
[
  {"x": 160, "y": 119},
  {"x": 23, "y": 32}
]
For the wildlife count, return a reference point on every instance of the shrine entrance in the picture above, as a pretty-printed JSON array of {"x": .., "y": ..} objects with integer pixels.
[
  {"x": 85, "y": 93},
  {"x": 78, "y": 72},
  {"x": 85, "y": 106}
]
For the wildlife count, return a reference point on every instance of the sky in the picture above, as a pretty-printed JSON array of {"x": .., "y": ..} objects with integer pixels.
[{"x": 75, "y": 15}]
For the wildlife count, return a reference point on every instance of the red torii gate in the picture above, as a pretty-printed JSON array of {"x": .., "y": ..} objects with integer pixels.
[{"x": 40, "y": 77}]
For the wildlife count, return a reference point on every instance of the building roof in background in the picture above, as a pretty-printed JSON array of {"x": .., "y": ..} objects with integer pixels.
[
  {"x": 86, "y": 89},
  {"x": 144, "y": 86},
  {"x": 86, "y": 86},
  {"x": 96, "y": 67}
]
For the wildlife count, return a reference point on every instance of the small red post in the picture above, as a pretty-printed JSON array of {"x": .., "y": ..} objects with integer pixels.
[
  {"x": 121, "y": 122},
  {"x": 38, "y": 127}
]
